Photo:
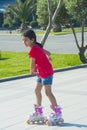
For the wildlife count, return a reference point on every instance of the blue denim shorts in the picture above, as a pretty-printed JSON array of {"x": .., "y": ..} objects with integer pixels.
[{"x": 45, "y": 81}]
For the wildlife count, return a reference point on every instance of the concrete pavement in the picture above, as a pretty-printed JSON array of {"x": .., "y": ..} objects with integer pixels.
[
  {"x": 55, "y": 43},
  {"x": 70, "y": 88}
]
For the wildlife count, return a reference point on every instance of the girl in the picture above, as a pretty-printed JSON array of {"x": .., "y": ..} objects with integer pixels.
[{"x": 40, "y": 65}]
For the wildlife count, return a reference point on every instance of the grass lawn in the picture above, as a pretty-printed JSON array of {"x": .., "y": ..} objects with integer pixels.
[
  {"x": 17, "y": 63},
  {"x": 64, "y": 31},
  {"x": 41, "y": 32}
]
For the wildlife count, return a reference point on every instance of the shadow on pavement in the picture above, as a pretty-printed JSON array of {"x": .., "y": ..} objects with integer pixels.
[{"x": 74, "y": 124}]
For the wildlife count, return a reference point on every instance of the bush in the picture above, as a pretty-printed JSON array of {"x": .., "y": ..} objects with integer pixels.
[
  {"x": 6, "y": 25},
  {"x": 34, "y": 24}
]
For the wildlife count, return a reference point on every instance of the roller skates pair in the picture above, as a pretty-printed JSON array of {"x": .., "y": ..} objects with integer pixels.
[
  {"x": 55, "y": 118},
  {"x": 37, "y": 117}
]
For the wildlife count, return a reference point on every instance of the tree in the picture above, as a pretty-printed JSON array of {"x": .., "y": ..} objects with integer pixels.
[
  {"x": 22, "y": 10},
  {"x": 1, "y": 19},
  {"x": 78, "y": 10},
  {"x": 51, "y": 19},
  {"x": 42, "y": 11}
]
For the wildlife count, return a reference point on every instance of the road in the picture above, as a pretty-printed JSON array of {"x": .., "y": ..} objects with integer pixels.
[
  {"x": 70, "y": 88},
  {"x": 54, "y": 43}
]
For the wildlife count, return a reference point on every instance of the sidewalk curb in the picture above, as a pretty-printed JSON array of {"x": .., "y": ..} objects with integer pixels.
[{"x": 29, "y": 75}]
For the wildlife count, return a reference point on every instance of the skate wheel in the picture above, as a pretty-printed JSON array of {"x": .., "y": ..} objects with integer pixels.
[
  {"x": 47, "y": 123},
  {"x": 43, "y": 121},
  {"x": 37, "y": 122},
  {"x": 61, "y": 121},
  {"x": 33, "y": 122},
  {"x": 28, "y": 121}
]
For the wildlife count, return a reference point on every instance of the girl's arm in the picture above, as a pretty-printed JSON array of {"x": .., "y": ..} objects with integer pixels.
[
  {"x": 32, "y": 66},
  {"x": 48, "y": 54}
]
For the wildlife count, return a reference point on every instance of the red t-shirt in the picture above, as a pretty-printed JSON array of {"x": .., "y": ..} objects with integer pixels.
[{"x": 42, "y": 63}]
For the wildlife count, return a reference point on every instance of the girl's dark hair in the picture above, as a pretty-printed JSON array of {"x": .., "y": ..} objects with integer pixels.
[
  {"x": 39, "y": 44},
  {"x": 30, "y": 34}
]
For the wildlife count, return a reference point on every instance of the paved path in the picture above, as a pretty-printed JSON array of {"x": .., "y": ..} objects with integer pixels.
[
  {"x": 54, "y": 43},
  {"x": 17, "y": 99}
]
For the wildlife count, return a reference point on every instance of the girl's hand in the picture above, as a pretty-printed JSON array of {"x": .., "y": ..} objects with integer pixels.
[
  {"x": 50, "y": 58},
  {"x": 32, "y": 72},
  {"x": 32, "y": 66}
]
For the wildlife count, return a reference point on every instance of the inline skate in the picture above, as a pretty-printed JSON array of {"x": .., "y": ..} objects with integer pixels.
[
  {"x": 55, "y": 118},
  {"x": 37, "y": 117}
]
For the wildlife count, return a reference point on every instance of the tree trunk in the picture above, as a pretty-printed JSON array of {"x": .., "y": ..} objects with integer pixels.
[
  {"x": 23, "y": 26},
  {"x": 51, "y": 20},
  {"x": 83, "y": 33},
  {"x": 49, "y": 25},
  {"x": 82, "y": 49},
  {"x": 82, "y": 54},
  {"x": 74, "y": 33}
]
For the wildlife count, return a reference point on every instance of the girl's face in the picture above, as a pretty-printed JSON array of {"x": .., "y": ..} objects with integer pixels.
[{"x": 27, "y": 41}]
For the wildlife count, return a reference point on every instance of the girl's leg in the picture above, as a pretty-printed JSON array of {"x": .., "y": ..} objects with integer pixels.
[
  {"x": 50, "y": 95},
  {"x": 38, "y": 94}
]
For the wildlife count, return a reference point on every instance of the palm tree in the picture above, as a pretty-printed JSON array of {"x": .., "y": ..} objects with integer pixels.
[{"x": 22, "y": 10}]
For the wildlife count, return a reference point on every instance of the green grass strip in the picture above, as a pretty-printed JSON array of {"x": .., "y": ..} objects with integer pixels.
[{"x": 17, "y": 63}]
